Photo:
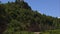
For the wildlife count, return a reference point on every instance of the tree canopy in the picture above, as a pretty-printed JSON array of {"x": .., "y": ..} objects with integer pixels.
[{"x": 16, "y": 17}]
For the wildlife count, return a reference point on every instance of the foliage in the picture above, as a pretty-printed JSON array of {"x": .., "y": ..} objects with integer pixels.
[
  {"x": 16, "y": 17},
  {"x": 57, "y": 31}
]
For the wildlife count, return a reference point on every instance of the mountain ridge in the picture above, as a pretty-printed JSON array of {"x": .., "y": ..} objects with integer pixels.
[{"x": 20, "y": 17}]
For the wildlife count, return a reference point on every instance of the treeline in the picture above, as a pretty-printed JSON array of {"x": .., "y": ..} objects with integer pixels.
[{"x": 15, "y": 17}]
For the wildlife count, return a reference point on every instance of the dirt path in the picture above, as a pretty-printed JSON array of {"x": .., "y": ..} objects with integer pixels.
[{"x": 36, "y": 32}]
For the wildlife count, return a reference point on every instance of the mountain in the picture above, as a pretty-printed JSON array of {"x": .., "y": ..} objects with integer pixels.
[{"x": 18, "y": 16}]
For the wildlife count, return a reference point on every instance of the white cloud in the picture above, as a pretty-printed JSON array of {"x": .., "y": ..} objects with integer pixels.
[{"x": 58, "y": 17}]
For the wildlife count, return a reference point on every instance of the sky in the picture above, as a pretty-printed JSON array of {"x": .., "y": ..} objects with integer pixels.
[{"x": 48, "y": 7}]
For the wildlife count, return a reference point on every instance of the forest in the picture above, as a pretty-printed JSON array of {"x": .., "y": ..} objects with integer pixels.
[{"x": 17, "y": 17}]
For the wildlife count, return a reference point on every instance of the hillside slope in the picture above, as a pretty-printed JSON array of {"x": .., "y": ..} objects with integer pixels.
[{"x": 16, "y": 17}]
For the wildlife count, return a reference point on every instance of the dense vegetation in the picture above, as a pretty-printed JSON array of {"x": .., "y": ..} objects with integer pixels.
[{"x": 18, "y": 16}]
